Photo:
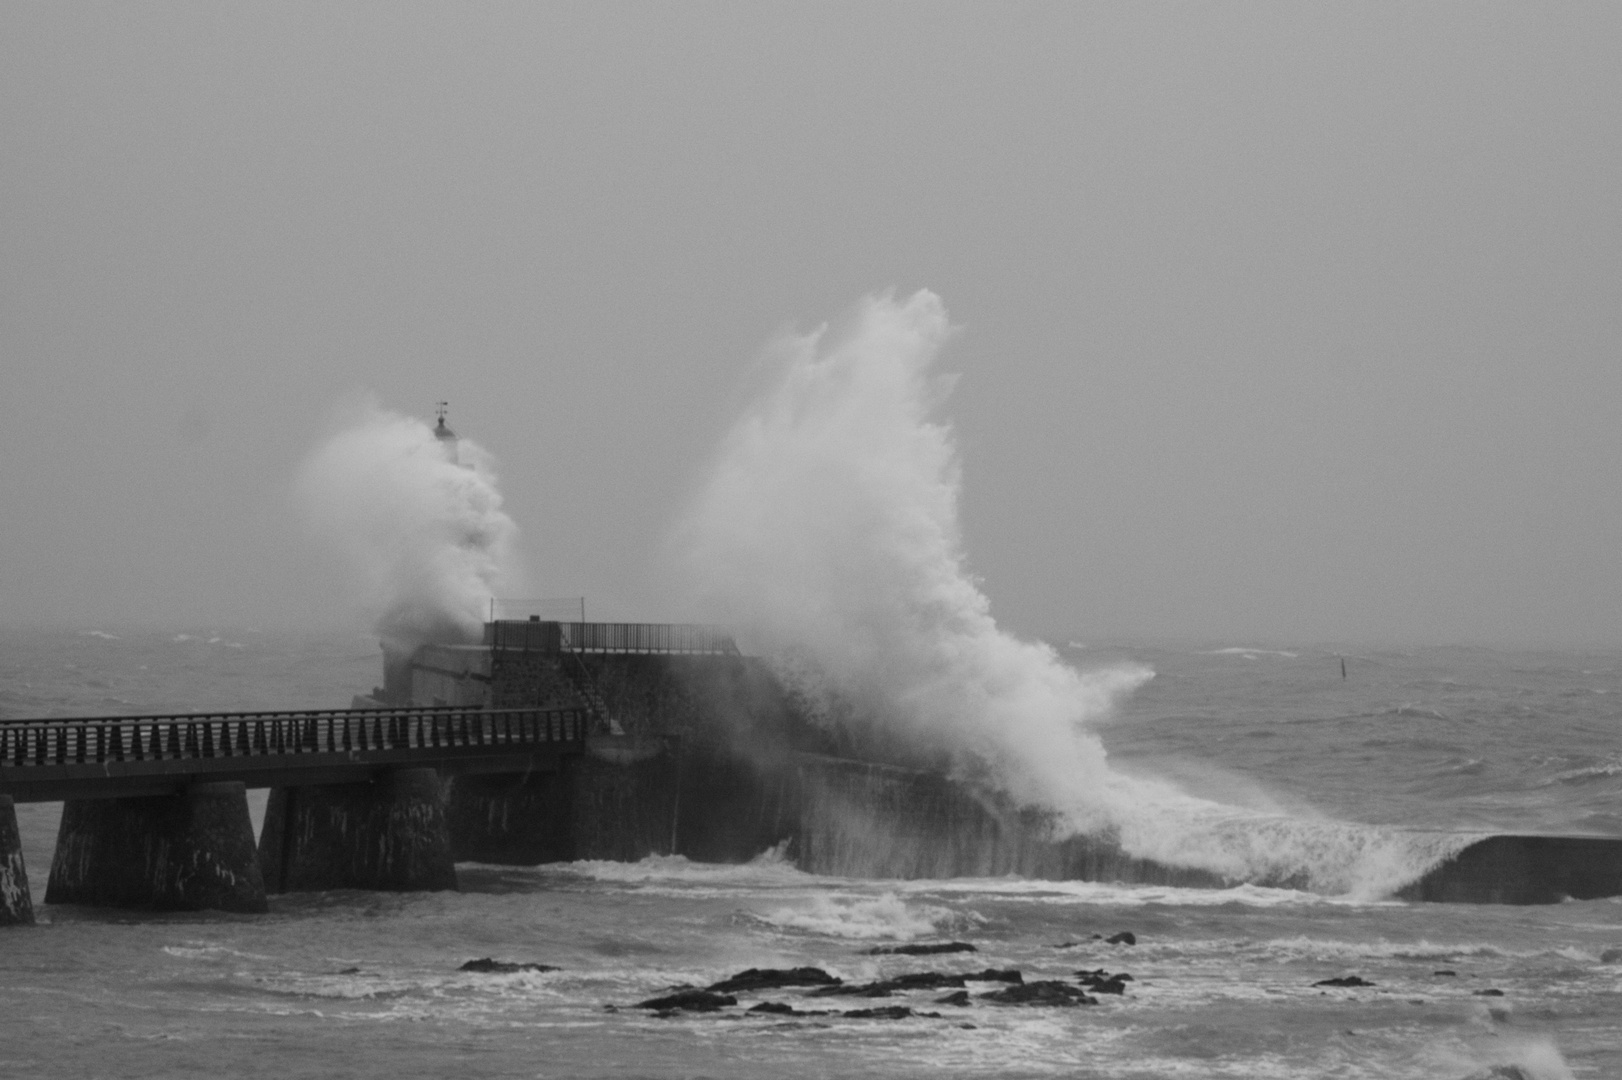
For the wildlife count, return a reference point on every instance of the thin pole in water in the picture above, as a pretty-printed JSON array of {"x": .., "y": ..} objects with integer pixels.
[{"x": 1343, "y": 667}]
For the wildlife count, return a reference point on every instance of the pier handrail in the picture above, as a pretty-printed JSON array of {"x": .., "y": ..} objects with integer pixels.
[{"x": 55, "y": 741}]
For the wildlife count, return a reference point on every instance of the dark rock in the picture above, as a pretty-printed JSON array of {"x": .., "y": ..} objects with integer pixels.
[
  {"x": 930, "y": 949},
  {"x": 1447, "y": 974},
  {"x": 691, "y": 1000},
  {"x": 1047, "y": 992},
  {"x": 350, "y": 971},
  {"x": 779, "y": 1008},
  {"x": 918, "y": 980},
  {"x": 957, "y": 997},
  {"x": 1491, "y": 991},
  {"x": 772, "y": 1007},
  {"x": 1102, "y": 982},
  {"x": 1125, "y": 937},
  {"x": 772, "y": 978},
  {"x": 1348, "y": 980},
  {"x": 487, "y": 966},
  {"x": 1612, "y": 955},
  {"x": 1007, "y": 975}
]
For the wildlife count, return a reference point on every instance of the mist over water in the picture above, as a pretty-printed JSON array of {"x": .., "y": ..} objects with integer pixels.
[
  {"x": 829, "y": 531},
  {"x": 418, "y": 524}
]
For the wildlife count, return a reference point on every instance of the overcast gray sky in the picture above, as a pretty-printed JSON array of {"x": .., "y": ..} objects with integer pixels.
[{"x": 1279, "y": 322}]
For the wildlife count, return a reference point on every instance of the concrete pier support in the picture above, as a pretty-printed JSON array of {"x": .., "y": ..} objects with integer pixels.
[
  {"x": 391, "y": 835},
  {"x": 187, "y": 852},
  {"x": 16, "y": 906},
  {"x": 513, "y": 820}
]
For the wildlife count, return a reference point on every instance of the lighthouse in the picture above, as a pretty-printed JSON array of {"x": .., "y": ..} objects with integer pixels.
[{"x": 446, "y": 437}]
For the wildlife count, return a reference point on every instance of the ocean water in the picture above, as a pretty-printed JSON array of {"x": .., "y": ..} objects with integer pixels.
[{"x": 362, "y": 984}]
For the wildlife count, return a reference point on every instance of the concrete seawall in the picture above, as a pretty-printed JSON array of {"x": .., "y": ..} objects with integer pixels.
[
  {"x": 740, "y": 770},
  {"x": 1525, "y": 870}
]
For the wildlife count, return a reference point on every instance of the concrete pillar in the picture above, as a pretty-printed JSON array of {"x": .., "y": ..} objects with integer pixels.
[
  {"x": 16, "y": 907},
  {"x": 513, "y": 819},
  {"x": 391, "y": 834},
  {"x": 624, "y": 795},
  {"x": 186, "y": 852}
]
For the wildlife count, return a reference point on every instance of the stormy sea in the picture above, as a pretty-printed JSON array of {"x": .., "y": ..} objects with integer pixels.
[{"x": 1241, "y": 982}]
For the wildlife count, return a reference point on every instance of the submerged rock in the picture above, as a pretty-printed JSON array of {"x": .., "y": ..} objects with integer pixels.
[
  {"x": 690, "y": 1000},
  {"x": 1046, "y": 992},
  {"x": 773, "y": 978},
  {"x": 1491, "y": 991},
  {"x": 1345, "y": 980},
  {"x": 960, "y": 997},
  {"x": 487, "y": 966},
  {"x": 1125, "y": 937},
  {"x": 928, "y": 949},
  {"x": 885, "y": 1012}
]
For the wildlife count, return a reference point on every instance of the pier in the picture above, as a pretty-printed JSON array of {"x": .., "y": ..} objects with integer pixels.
[
  {"x": 557, "y": 741},
  {"x": 387, "y": 794}
]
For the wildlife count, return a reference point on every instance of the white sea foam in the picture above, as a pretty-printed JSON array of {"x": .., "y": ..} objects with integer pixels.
[
  {"x": 424, "y": 533},
  {"x": 768, "y": 870},
  {"x": 828, "y": 529},
  {"x": 885, "y": 917}
]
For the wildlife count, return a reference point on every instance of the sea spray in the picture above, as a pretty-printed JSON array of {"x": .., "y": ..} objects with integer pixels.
[
  {"x": 828, "y": 529},
  {"x": 830, "y": 524},
  {"x": 422, "y": 532}
]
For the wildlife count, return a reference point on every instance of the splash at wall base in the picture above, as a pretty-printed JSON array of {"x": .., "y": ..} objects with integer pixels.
[{"x": 860, "y": 819}]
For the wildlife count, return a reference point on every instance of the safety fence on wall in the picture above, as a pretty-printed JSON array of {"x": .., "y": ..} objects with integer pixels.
[{"x": 540, "y": 636}]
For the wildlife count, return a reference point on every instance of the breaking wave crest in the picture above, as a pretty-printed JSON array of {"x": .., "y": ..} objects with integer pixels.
[{"x": 828, "y": 530}]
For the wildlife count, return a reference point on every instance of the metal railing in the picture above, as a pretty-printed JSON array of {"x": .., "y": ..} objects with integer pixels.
[
  {"x": 549, "y": 608},
  {"x": 280, "y": 734},
  {"x": 611, "y": 637}
]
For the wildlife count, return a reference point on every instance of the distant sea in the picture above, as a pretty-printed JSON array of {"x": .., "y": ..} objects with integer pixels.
[{"x": 366, "y": 984}]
